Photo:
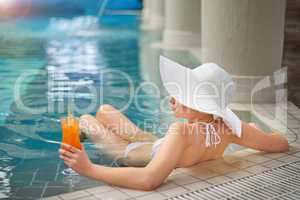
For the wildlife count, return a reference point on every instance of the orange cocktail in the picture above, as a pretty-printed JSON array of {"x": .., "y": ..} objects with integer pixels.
[{"x": 70, "y": 130}]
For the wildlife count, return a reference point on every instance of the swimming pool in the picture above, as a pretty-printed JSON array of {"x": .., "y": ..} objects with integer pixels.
[
  {"x": 44, "y": 57},
  {"x": 47, "y": 58}
]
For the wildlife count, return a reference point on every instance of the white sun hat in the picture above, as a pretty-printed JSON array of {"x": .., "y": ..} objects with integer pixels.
[{"x": 207, "y": 88}]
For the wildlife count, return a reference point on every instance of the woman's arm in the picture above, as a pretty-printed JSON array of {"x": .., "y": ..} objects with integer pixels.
[
  {"x": 256, "y": 139},
  {"x": 147, "y": 178}
]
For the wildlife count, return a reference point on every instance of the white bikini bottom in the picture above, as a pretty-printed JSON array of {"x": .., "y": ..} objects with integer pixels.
[{"x": 134, "y": 145}]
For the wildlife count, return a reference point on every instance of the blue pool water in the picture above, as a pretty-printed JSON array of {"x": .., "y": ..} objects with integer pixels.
[{"x": 56, "y": 54}]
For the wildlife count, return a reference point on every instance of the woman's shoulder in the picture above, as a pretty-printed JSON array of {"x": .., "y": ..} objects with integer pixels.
[
  {"x": 177, "y": 126},
  {"x": 186, "y": 128},
  {"x": 180, "y": 127}
]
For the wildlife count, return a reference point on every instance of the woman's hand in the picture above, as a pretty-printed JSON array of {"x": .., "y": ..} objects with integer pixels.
[{"x": 76, "y": 159}]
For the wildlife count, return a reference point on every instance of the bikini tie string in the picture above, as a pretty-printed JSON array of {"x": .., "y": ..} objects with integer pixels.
[{"x": 212, "y": 136}]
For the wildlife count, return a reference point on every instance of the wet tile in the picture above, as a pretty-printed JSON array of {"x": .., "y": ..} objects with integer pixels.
[
  {"x": 238, "y": 174},
  {"x": 229, "y": 159},
  {"x": 183, "y": 179},
  {"x": 203, "y": 165},
  {"x": 291, "y": 138},
  {"x": 203, "y": 174},
  {"x": 189, "y": 169},
  {"x": 288, "y": 159},
  {"x": 275, "y": 155},
  {"x": 293, "y": 150},
  {"x": 175, "y": 172},
  {"x": 51, "y": 198},
  {"x": 272, "y": 163},
  {"x": 256, "y": 169},
  {"x": 185, "y": 170},
  {"x": 297, "y": 154},
  {"x": 211, "y": 163},
  {"x": 197, "y": 185},
  {"x": 296, "y": 144},
  {"x": 112, "y": 195},
  {"x": 89, "y": 198},
  {"x": 223, "y": 168},
  {"x": 174, "y": 191},
  {"x": 80, "y": 186},
  {"x": 100, "y": 189},
  {"x": 134, "y": 193},
  {"x": 241, "y": 164},
  {"x": 74, "y": 195},
  {"x": 257, "y": 158},
  {"x": 152, "y": 196},
  {"x": 218, "y": 180},
  {"x": 166, "y": 186}
]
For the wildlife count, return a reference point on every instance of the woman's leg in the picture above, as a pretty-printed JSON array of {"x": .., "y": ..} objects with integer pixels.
[
  {"x": 102, "y": 137},
  {"x": 119, "y": 124},
  {"x": 112, "y": 144}
]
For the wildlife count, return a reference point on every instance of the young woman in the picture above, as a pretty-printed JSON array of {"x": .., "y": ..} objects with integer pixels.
[{"x": 206, "y": 134}]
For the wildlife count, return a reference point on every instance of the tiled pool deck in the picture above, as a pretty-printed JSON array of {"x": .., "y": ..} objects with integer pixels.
[{"x": 238, "y": 164}]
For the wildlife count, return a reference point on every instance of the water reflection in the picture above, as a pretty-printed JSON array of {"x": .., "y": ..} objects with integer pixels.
[
  {"x": 5, "y": 176},
  {"x": 71, "y": 62}
]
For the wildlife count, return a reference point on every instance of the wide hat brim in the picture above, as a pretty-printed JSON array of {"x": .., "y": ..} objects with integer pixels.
[{"x": 201, "y": 89}]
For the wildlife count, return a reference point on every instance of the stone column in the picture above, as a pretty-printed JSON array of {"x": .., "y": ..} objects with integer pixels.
[
  {"x": 182, "y": 23},
  {"x": 146, "y": 11},
  {"x": 154, "y": 14},
  {"x": 244, "y": 36}
]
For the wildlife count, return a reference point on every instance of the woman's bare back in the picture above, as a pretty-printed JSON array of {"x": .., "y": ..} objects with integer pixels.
[{"x": 196, "y": 151}]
